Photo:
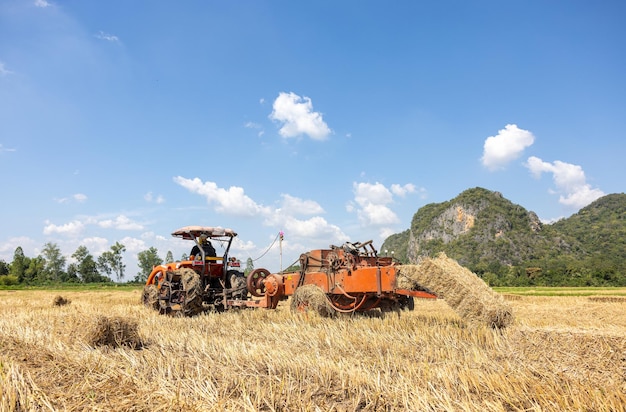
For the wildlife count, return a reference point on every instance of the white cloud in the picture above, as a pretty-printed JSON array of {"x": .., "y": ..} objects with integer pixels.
[
  {"x": 5, "y": 149},
  {"x": 298, "y": 118},
  {"x": 371, "y": 205},
  {"x": 401, "y": 191},
  {"x": 252, "y": 125},
  {"x": 96, "y": 245},
  {"x": 385, "y": 232},
  {"x": 234, "y": 201},
  {"x": 148, "y": 236},
  {"x": 121, "y": 222},
  {"x": 240, "y": 245},
  {"x": 295, "y": 206},
  {"x": 71, "y": 229},
  {"x": 372, "y": 200},
  {"x": 42, "y": 3},
  {"x": 7, "y": 248},
  {"x": 133, "y": 245},
  {"x": 372, "y": 214},
  {"x": 255, "y": 126},
  {"x": 314, "y": 228},
  {"x": 231, "y": 201},
  {"x": 78, "y": 197},
  {"x": 149, "y": 197},
  {"x": 505, "y": 147},
  {"x": 366, "y": 193},
  {"x": 569, "y": 179},
  {"x": 3, "y": 70},
  {"x": 106, "y": 36}
]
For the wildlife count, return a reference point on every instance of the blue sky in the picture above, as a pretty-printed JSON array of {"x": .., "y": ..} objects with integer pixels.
[{"x": 330, "y": 120}]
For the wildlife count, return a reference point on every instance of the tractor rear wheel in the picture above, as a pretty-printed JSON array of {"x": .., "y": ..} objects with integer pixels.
[
  {"x": 311, "y": 298},
  {"x": 150, "y": 296},
  {"x": 193, "y": 289},
  {"x": 238, "y": 283}
]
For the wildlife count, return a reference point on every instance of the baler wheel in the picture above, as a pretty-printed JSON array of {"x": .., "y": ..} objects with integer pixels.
[
  {"x": 193, "y": 289},
  {"x": 150, "y": 296},
  {"x": 344, "y": 304},
  {"x": 255, "y": 282},
  {"x": 408, "y": 304}
]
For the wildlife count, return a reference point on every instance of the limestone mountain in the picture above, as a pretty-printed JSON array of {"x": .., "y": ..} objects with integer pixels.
[{"x": 510, "y": 245}]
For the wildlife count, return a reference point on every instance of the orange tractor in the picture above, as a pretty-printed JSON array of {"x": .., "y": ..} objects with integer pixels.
[
  {"x": 347, "y": 278},
  {"x": 204, "y": 281}
]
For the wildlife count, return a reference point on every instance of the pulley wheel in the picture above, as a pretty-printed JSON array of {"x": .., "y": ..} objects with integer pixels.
[{"x": 255, "y": 282}]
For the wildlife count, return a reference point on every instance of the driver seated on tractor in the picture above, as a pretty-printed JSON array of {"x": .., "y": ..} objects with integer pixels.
[{"x": 209, "y": 250}]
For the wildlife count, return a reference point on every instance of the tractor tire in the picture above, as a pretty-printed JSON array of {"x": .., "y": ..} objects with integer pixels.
[
  {"x": 311, "y": 298},
  {"x": 193, "y": 288},
  {"x": 150, "y": 296},
  {"x": 238, "y": 281}
]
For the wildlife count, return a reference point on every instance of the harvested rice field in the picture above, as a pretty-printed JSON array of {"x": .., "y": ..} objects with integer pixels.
[{"x": 104, "y": 351}]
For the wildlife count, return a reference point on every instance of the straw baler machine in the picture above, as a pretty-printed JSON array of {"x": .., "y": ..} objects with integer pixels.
[{"x": 352, "y": 277}]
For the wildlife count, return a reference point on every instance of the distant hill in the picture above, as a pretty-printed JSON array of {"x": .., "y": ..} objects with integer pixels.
[{"x": 508, "y": 245}]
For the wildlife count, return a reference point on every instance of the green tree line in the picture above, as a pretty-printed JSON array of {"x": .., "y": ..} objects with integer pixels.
[{"x": 51, "y": 266}]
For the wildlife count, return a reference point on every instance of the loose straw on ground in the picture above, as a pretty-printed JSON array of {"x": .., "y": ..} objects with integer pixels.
[{"x": 469, "y": 296}]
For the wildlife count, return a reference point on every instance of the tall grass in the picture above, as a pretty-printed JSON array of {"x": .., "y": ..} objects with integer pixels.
[{"x": 565, "y": 353}]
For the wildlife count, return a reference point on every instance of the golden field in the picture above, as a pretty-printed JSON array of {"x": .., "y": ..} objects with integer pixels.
[{"x": 562, "y": 353}]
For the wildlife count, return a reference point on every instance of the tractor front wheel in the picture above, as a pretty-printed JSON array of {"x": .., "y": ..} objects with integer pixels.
[
  {"x": 193, "y": 292},
  {"x": 238, "y": 284},
  {"x": 150, "y": 296}
]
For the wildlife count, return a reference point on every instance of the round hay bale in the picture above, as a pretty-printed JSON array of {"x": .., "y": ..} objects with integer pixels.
[
  {"x": 311, "y": 298},
  {"x": 466, "y": 293},
  {"x": 114, "y": 332},
  {"x": 60, "y": 301}
]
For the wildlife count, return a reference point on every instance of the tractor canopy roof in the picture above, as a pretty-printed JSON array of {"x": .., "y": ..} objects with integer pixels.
[{"x": 192, "y": 232}]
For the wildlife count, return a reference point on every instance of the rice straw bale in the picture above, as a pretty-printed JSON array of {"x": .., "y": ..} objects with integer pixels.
[
  {"x": 60, "y": 301},
  {"x": 469, "y": 296},
  {"x": 311, "y": 298},
  {"x": 115, "y": 332}
]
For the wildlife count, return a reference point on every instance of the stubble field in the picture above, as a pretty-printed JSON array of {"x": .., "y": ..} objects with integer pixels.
[{"x": 104, "y": 351}]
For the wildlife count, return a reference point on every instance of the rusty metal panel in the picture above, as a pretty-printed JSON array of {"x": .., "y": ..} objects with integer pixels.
[{"x": 367, "y": 279}]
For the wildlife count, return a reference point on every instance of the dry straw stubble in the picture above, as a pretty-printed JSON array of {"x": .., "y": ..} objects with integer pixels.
[{"x": 259, "y": 360}]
